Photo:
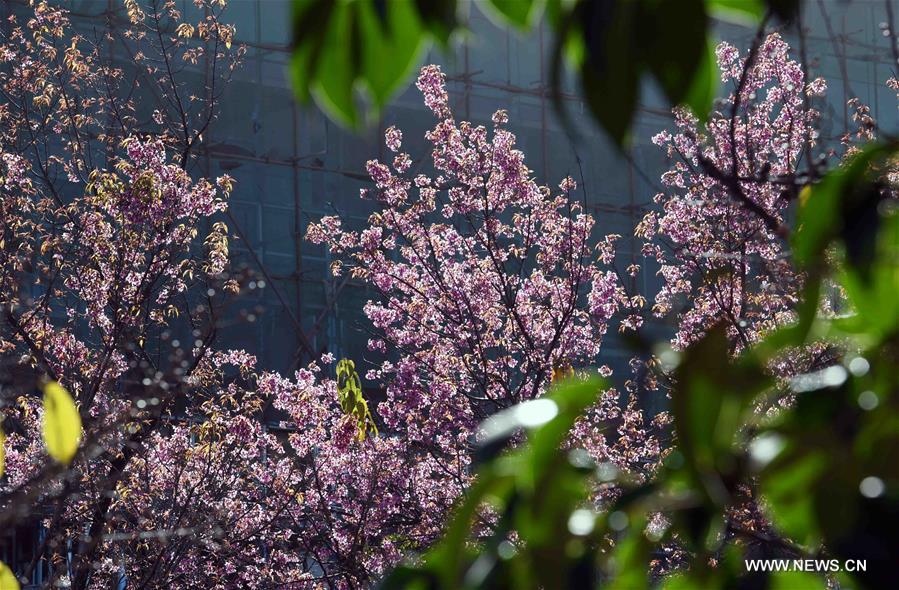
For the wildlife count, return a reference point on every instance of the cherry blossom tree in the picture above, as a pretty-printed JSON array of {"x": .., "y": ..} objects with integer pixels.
[
  {"x": 720, "y": 236},
  {"x": 490, "y": 287},
  {"x": 104, "y": 275},
  {"x": 731, "y": 183}
]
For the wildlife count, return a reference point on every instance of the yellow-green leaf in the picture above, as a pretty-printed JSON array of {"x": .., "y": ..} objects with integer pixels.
[
  {"x": 8, "y": 580},
  {"x": 352, "y": 403},
  {"x": 62, "y": 424}
]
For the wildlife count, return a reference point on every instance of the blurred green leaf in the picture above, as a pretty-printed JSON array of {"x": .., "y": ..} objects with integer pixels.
[
  {"x": 390, "y": 49},
  {"x": 751, "y": 12},
  {"x": 741, "y": 12},
  {"x": 789, "y": 487},
  {"x": 817, "y": 456},
  {"x": 571, "y": 398},
  {"x": 311, "y": 18},
  {"x": 852, "y": 207},
  {"x": 795, "y": 333},
  {"x": 345, "y": 46},
  {"x": 631, "y": 556},
  {"x": 821, "y": 216},
  {"x": 861, "y": 221},
  {"x": 871, "y": 277},
  {"x": 704, "y": 86},
  {"x": 439, "y": 17},
  {"x": 611, "y": 67},
  {"x": 709, "y": 403},
  {"x": 729, "y": 572},
  {"x": 335, "y": 75},
  {"x": 687, "y": 75},
  {"x": 520, "y": 13},
  {"x": 613, "y": 43},
  {"x": 342, "y": 46}
]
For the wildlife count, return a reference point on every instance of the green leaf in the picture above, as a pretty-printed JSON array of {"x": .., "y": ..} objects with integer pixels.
[
  {"x": 62, "y": 423},
  {"x": 8, "y": 580},
  {"x": 739, "y": 12},
  {"x": 611, "y": 66},
  {"x": 704, "y": 85},
  {"x": 335, "y": 74},
  {"x": 612, "y": 43},
  {"x": 390, "y": 49},
  {"x": 570, "y": 398},
  {"x": 446, "y": 560},
  {"x": 549, "y": 419},
  {"x": 686, "y": 73},
  {"x": 871, "y": 275},
  {"x": 710, "y": 402},
  {"x": 846, "y": 207},
  {"x": 352, "y": 402},
  {"x": 751, "y": 12},
  {"x": 520, "y": 13},
  {"x": 408, "y": 578},
  {"x": 438, "y": 17},
  {"x": 790, "y": 486},
  {"x": 311, "y": 19},
  {"x": 630, "y": 558},
  {"x": 797, "y": 332},
  {"x": 345, "y": 46},
  {"x": 821, "y": 215},
  {"x": 678, "y": 581}
]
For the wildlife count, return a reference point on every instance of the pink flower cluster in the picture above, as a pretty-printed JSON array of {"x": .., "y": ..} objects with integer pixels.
[
  {"x": 724, "y": 262},
  {"x": 487, "y": 281}
]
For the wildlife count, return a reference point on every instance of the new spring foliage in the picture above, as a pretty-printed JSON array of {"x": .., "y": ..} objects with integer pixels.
[{"x": 349, "y": 392}]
